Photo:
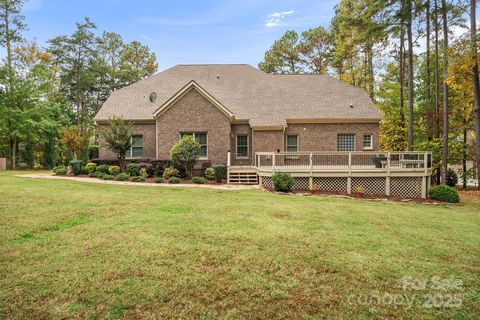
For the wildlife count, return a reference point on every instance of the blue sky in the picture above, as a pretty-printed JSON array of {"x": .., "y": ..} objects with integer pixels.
[{"x": 210, "y": 31}]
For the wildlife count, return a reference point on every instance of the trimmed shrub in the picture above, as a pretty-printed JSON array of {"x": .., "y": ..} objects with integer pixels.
[
  {"x": 138, "y": 179},
  {"x": 59, "y": 171},
  {"x": 219, "y": 172},
  {"x": 452, "y": 178},
  {"x": 114, "y": 170},
  {"x": 173, "y": 180},
  {"x": 100, "y": 175},
  {"x": 90, "y": 167},
  {"x": 143, "y": 172},
  {"x": 444, "y": 193},
  {"x": 76, "y": 166},
  {"x": 210, "y": 173},
  {"x": 103, "y": 168},
  {"x": 93, "y": 174},
  {"x": 158, "y": 180},
  {"x": 185, "y": 153},
  {"x": 122, "y": 177},
  {"x": 148, "y": 169},
  {"x": 282, "y": 181},
  {"x": 199, "y": 180},
  {"x": 133, "y": 169},
  {"x": 171, "y": 172},
  {"x": 107, "y": 177}
]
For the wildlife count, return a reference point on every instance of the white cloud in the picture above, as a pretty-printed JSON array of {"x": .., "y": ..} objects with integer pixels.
[{"x": 276, "y": 19}]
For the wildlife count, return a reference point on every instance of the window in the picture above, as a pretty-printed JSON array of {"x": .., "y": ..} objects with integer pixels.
[
  {"x": 292, "y": 143},
  {"x": 202, "y": 139},
  {"x": 242, "y": 146},
  {"x": 346, "y": 142},
  {"x": 136, "y": 148},
  {"x": 367, "y": 141}
]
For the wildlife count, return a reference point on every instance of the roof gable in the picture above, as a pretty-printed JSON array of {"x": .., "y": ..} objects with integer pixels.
[{"x": 192, "y": 85}]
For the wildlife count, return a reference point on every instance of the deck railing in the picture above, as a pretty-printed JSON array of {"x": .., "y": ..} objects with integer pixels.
[{"x": 343, "y": 161}]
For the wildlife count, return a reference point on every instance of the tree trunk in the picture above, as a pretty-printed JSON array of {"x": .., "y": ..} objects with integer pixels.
[
  {"x": 402, "y": 75},
  {"x": 437, "y": 84},
  {"x": 476, "y": 84},
  {"x": 410, "y": 75},
  {"x": 445, "y": 93},
  {"x": 464, "y": 154},
  {"x": 429, "y": 98},
  {"x": 13, "y": 153}
]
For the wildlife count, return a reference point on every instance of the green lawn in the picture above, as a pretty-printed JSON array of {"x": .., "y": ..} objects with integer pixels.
[{"x": 79, "y": 250}]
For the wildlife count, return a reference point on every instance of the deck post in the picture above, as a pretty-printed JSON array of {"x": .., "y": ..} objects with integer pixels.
[
  {"x": 424, "y": 187},
  {"x": 228, "y": 166},
  {"x": 310, "y": 179},
  {"x": 273, "y": 162},
  {"x": 387, "y": 185},
  {"x": 349, "y": 179}
]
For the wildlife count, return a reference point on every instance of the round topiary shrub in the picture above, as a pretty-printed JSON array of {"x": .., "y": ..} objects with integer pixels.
[
  {"x": 199, "y": 180},
  {"x": 158, "y": 180},
  {"x": 138, "y": 179},
  {"x": 90, "y": 167},
  {"x": 77, "y": 166},
  {"x": 210, "y": 173},
  {"x": 219, "y": 172},
  {"x": 107, "y": 177},
  {"x": 114, "y": 170},
  {"x": 444, "y": 193},
  {"x": 282, "y": 181},
  {"x": 103, "y": 168},
  {"x": 59, "y": 171},
  {"x": 93, "y": 174},
  {"x": 133, "y": 169},
  {"x": 122, "y": 177},
  {"x": 173, "y": 180},
  {"x": 452, "y": 178},
  {"x": 170, "y": 172}
]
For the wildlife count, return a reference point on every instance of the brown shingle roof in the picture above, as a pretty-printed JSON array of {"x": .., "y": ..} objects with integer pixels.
[{"x": 263, "y": 99}]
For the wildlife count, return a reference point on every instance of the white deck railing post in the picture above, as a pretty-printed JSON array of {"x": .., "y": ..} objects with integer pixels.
[
  {"x": 273, "y": 162},
  {"x": 349, "y": 178},
  {"x": 387, "y": 179},
  {"x": 229, "y": 160},
  {"x": 310, "y": 179}
]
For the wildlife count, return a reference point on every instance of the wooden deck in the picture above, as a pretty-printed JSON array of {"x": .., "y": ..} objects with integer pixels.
[{"x": 406, "y": 173}]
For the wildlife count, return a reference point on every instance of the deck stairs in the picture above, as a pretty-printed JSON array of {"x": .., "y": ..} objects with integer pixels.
[{"x": 242, "y": 175}]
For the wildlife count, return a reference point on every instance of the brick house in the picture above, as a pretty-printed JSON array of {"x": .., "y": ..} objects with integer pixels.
[{"x": 242, "y": 109}]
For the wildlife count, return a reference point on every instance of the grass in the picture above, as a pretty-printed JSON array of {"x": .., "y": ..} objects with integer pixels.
[{"x": 78, "y": 250}]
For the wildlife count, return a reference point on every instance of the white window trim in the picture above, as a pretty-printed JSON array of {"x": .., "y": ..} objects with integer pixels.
[
  {"x": 131, "y": 147},
  {"x": 193, "y": 134},
  {"x": 286, "y": 142},
  {"x": 236, "y": 147},
  {"x": 354, "y": 141},
  {"x": 371, "y": 141}
]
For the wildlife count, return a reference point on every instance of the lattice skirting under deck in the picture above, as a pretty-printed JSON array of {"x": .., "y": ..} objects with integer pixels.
[
  {"x": 267, "y": 183},
  {"x": 332, "y": 184},
  {"x": 371, "y": 185},
  {"x": 406, "y": 187}
]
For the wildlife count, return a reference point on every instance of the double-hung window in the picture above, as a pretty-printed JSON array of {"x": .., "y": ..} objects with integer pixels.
[
  {"x": 202, "y": 139},
  {"x": 136, "y": 147},
  {"x": 367, "y": 142},
  {"x": 346, "y": 142},
  {"x": 242, "y": 146},
  {"x": 292, "y": 143}
]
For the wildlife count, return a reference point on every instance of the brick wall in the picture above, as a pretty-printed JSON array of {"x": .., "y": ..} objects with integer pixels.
[
  {"x": 147, "y": 130},
  {"x": 194, "y": 113},
  {"x": 323, "y": 136}
]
